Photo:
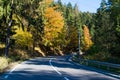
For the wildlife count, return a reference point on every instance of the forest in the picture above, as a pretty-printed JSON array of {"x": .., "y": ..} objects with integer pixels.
[{"x": 32, "y": 28}]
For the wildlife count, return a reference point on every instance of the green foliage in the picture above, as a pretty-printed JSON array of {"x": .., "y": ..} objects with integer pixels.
[
  {"x": 118, "y": 29},
  {"x": 74, "y": 19},
  {"x": 73, "y": 42},
  {"x": 106, "y": 38},
  {"x": 1, "y": 9}
]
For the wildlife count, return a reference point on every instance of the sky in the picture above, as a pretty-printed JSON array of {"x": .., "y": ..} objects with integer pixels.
[{"x": 84, "y": 5}]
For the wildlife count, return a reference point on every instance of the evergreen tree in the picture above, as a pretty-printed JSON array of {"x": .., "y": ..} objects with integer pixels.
[
  {"x": 104, "y": 34},
  {"x": 114, "y": 9}
]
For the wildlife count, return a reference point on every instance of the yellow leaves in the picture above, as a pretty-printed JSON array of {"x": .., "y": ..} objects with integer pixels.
[
  {"x": 23, "y": 38},
  {"x": 46, "y": 2},
  {"x": 87, "y": 39},
  {"x": 53, "y": 17},
  {"x": 54, "y": 23}
]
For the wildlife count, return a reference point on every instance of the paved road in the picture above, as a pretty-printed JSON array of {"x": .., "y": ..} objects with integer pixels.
[{"x": 54, "y": 68}]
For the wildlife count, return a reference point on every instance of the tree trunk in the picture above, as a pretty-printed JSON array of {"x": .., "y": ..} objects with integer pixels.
[{"x": 8, "y": 31}]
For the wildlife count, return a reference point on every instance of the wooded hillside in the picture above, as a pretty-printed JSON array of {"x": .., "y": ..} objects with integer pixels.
[{"x": 44, "y": 27}]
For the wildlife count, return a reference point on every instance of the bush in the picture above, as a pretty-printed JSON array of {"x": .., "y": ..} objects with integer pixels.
[
  {"x": 18, "y": 54},
  {"x": 23, "y": 39},
  {"x": 93, "y": 50}
]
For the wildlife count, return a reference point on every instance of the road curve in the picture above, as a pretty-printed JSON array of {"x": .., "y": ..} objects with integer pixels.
[{"x": 55, "y": 68}]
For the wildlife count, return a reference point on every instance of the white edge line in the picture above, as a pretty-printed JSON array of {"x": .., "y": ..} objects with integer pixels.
[
  {"x": 66, "y": 78},
  {"x": 50, "y": 62},
  {"x": 6, "y": 76}
]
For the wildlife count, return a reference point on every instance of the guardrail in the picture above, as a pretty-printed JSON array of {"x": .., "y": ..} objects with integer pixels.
[{"x": 102, "y": 65}]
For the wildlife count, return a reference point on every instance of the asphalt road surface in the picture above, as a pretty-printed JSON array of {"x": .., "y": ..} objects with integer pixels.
[{"x": 55, "y": 68}]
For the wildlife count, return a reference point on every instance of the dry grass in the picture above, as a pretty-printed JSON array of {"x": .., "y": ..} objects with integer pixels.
[
  {"x": 6, "y": 64},
  {"x": 3, "y": 63}
]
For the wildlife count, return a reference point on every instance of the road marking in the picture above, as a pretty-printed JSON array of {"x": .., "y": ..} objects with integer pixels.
[
  {"x": 6, "y": 76},
  {"x": 66, "y": 78},
  {"x": 50, "y": 62}
]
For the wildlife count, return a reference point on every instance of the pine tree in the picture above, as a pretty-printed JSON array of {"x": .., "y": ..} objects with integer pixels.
[{"x": 105, "y": 37}]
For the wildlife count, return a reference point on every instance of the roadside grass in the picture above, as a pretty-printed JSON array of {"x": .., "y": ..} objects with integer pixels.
[
  {"x": 4, "y": 62},
  {"x": 18, "y": 55},
  {"x": 15, "y": 56}
]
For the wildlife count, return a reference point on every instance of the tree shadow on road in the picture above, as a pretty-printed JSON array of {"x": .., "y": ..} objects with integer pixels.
[{"x": 40, "y": 69}]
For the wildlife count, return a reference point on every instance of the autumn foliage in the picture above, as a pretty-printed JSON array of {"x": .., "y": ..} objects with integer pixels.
[
  {"x": 87, "y": 38},
  {"x": 23, "y": 38},
  {"x": 46, "y": 2},
  {"x": 54, "y": 23}
]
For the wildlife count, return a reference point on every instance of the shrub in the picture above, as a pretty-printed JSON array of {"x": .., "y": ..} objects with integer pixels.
[{"x": 23, "y": 39}]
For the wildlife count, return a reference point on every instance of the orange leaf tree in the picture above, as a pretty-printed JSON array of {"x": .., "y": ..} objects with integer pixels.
[
  {"x": 54, "y": 23},
  {"x": 87, "y": 38}
]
